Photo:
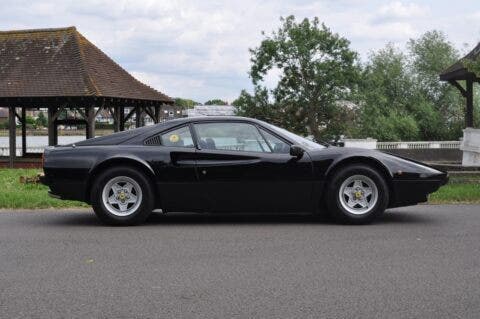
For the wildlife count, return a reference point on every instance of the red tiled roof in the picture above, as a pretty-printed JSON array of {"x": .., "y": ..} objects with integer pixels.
[{"x": 62, "y": 62}]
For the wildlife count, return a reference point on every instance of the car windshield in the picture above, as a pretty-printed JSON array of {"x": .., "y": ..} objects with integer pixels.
[{"x": 299, "y": 140}]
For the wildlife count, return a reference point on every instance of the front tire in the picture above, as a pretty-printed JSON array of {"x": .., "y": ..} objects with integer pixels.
[
  {"x": 357, "y": 194},
  {"x": 122, "y": 196}
]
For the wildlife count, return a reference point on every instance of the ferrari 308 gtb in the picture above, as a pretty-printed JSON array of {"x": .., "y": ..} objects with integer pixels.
[{"x": 231, "y": 164}]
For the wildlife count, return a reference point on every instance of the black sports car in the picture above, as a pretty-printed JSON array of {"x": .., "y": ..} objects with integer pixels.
[{"x": 231, "y": 164}]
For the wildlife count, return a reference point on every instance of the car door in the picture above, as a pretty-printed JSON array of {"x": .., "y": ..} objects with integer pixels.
[
  {"x": 173, "y": 160},
  {"x": 240, "y": 172}
]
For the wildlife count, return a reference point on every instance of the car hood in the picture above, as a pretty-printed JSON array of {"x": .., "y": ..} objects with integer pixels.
[{"x": 399, "y": 167}]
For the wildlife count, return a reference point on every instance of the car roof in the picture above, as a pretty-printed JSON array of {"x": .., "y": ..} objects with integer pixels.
[{"x": 213, "y": 118}]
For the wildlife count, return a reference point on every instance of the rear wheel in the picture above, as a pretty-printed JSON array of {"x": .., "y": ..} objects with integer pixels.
[
  {"x": 357, "y": 194},
  {"x": 122, "y": 196}
]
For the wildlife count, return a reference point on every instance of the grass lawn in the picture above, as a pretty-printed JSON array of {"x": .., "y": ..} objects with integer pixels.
[
  {"x": 461, "y": 189},
  {"x": 17, "y": 195}
]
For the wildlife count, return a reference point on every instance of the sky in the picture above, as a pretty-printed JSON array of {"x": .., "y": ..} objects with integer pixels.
[{"x": 198, "y": 49}]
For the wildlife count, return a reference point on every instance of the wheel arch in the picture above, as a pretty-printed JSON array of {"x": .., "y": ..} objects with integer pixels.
[
  {"x": 365, "y": 160},
  {"x": 136, "y": 163}
]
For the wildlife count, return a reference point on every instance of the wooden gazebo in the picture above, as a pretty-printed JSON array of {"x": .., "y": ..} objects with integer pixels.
[
  {"x": 458, "y": 72},
  {"x": 61, "y": 70}
]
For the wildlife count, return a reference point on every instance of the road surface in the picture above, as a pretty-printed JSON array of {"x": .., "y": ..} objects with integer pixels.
[{"x": 416, "y": 262}]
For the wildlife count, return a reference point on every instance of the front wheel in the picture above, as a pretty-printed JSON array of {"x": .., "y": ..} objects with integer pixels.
[
  {"x": 122, "y": 196},
  {"x": 357, "y": 194}
]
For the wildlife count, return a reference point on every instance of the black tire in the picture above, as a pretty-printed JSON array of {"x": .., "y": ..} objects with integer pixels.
[
  {"x": 333, "y": 201},
  {"x": 138, "y": 215}
]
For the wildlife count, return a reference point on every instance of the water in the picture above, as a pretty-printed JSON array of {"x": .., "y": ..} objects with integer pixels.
[{"x": 41, "y": 141}]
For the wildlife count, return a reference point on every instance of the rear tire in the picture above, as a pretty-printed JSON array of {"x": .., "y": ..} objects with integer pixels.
[
  {"x": 357, "y": 194},
  {"x": 122, "y": 196}
]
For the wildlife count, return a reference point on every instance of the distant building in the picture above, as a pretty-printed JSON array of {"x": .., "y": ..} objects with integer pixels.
[{"x": 211, "y": 110}]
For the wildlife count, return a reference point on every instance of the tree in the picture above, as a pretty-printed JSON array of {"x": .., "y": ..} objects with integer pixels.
[
  {"x": 386, "y": 94},
  {"x": 216, "y": 102},
  {"x": 257, "y": 105},
  {"x": 316, "y": 67},
  {"x": 186, "y": 103},
  {"x": 402, "y": 97},
  {"x": 440, "y": 106},
  {"x": 41, "y": 120}
]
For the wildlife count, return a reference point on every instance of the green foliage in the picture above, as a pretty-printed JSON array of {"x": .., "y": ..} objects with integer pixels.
[
  {"x": 398, "y": 95},
  {"x": 256, "y": 105},
  {"x": 402, "y": 97},
  {"x": 31, "y": 123},
  {"x": 316, "y": 69},
  {"x": 186, "y": 103},
  {"x": 473, "y": 65},
  {"x": 41, "y": 120},
  {"x": 216, "y": 102},
  {"x": 430, "y": 55}
]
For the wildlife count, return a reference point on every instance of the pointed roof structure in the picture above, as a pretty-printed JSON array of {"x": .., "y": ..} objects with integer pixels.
[
  {"x": 458, "y": 71},
  {"x": 63, "y": 63}
]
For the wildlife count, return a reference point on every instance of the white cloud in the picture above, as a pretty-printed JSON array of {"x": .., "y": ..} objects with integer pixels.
[
  {"x": 199, "y": 49},
  {"x": 399, "y": 10}
]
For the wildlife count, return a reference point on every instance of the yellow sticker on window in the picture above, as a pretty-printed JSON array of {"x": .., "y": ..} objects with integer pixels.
[{"x": 174, "y": 138}]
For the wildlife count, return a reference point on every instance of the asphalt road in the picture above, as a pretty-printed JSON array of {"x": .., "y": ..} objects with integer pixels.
[{"x": 416, "y": 262}]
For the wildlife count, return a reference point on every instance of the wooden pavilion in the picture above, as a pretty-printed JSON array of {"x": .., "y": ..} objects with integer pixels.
[
  {"x": 458, "y": 72},
  {"x": 60, "y": 70}
]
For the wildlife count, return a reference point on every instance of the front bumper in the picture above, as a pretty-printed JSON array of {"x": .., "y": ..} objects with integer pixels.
[{"x": 410, "y": 192}]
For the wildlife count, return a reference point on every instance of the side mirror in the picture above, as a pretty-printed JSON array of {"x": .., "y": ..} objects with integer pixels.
[{"x": 296, "y": 151}]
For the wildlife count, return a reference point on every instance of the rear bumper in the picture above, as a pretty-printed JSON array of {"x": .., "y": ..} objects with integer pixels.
[
  {"x": 411, "y": 192},
  {"x": 64, "y": 188}
]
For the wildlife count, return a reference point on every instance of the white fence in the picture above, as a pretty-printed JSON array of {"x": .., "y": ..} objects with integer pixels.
[
  {"x": 5, "y": 151},
  {"x": 418, "y": 145}
]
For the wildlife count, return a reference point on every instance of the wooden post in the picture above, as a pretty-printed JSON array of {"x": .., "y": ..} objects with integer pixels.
[
  {"x": 139, "y": 116},
  {"x": 52, "y": 126},
  {"x": 90, "y": 121},
  {"x": 157, "y": 114},
  {"x": 469, "y": 109},
  {"x": 24, "y": 131},
  {"x": 13, "y": 137},
  {"x": 116, "y": 118},
  {"x": 121, "y": 118}
]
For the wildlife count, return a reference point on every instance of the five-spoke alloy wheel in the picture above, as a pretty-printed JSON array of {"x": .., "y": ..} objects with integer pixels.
[
  {"x": 356, "y": 194},
  {"x": 122, "y": 196}
]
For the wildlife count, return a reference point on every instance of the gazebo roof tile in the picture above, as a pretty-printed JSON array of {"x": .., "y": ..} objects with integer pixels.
[{"x": 62, "y": 62}]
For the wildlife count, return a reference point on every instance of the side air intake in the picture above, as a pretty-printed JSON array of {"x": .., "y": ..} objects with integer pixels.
[{"x": 154, "y": 140}]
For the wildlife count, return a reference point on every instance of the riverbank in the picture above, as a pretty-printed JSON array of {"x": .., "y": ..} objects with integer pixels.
[{"x": 16, "y": 195}]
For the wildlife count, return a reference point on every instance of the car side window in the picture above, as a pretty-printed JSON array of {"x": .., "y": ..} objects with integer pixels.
[
  {"x": 231, "y": 136},
  {"x": 277, "y": 145},
  {"x": 179, "y": 137}
]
